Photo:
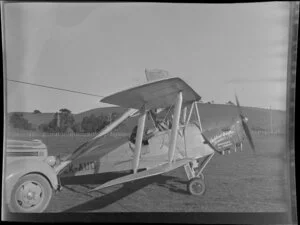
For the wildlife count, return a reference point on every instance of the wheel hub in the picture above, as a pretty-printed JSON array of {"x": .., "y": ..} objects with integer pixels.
[
  {"x": 197, "y": 187},
  {"x": 29, "y": 194}
]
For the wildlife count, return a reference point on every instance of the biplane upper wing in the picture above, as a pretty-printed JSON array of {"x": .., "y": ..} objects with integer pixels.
[
  {"x": 164, "y": 168},
  {"x": 157, "y": 94}
]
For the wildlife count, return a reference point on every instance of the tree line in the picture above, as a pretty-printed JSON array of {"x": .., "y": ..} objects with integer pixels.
[{"x": 64, "y": 122}]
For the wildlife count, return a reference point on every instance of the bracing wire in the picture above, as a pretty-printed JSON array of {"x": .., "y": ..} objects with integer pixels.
[{"x": 61, "y": 89}]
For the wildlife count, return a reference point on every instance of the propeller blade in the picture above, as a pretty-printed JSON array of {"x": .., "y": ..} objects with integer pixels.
[
  {"x": 248, "y": 135},
  {"x": 237, "y": 101},
  {"x": 238, "y": 106},
  {"x": 244, "y": 124}
]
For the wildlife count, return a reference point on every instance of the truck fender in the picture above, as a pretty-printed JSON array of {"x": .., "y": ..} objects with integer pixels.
[{"x": 17, "y": 169}]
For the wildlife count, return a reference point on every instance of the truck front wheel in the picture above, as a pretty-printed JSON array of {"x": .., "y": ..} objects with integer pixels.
[{"x": 31, "y": 194}]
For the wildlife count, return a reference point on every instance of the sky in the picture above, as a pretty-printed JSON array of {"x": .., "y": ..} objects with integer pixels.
[{"x": 102, "y": 48}]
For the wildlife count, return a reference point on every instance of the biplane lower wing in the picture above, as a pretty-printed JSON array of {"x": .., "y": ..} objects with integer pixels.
[{"x": 164, "y": 168}]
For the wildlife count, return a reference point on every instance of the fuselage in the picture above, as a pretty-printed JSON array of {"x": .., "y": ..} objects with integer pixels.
[{"x": 117, "y": 155}]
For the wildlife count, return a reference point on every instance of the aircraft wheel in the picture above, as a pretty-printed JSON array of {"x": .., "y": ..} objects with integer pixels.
[
  {"x": 31, "y": 194},
  {"x": 196, "y": 186}
]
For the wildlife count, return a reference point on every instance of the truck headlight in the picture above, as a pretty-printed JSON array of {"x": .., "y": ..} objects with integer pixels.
[{"x": 51, "y": 160}]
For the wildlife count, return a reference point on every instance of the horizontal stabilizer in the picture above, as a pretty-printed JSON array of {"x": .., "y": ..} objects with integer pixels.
[{"x": 146, "y": 173}]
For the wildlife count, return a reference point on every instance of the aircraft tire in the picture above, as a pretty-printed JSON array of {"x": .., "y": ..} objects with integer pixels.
[
  {"x": 31, "y": 194},
  {"x": 196, "y": 186}
]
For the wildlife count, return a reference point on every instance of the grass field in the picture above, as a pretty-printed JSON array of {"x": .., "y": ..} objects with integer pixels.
[{"x": 239, "y": 182}]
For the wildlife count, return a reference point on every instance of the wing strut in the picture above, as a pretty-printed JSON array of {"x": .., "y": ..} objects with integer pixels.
[
  {"x": 184, "y": 131},
  {"x": 184, "y": 115},
  {"x": 198, "y": 115},
  {"x": 139, "y": 138},
  {"x": 88, "y": 146},
  {"x": 175, "y": 126},
  {"x": 190, "y": 114}
]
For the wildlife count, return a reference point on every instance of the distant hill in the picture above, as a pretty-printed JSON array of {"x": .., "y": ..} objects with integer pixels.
[
  {"x": 37, "y": 119},
  {"x": 40, "y": 118},
  {"x": 212, "y": 115},
  {"x": 98, "y": 111}
]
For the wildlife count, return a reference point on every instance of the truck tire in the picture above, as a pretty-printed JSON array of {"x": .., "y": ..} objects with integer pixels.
[{"x": 31, "y": 194}]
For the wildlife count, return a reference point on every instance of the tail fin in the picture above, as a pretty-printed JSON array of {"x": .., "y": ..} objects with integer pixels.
[{"x": 156, "y": 74}]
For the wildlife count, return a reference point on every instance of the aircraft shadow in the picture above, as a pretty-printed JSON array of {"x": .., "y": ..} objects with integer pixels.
[
  {"x": 92, "y": 178},
  {"x": 127, "y": 189}
]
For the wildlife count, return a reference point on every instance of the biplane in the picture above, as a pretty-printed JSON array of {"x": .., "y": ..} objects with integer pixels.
[{"x": 173, "y": 142}]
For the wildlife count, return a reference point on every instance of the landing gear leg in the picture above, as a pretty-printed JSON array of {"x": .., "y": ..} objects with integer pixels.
[{"x": 196, "y": 184}]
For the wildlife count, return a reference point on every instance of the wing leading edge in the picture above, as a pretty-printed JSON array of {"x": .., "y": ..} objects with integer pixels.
[{"x": 157, "y": 94}]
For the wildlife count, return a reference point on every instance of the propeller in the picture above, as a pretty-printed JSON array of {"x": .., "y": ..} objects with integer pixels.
[{"x": 244, "y": 120}]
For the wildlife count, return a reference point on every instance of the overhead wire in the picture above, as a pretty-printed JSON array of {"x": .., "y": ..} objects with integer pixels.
[{"x": 50, "y": 87}]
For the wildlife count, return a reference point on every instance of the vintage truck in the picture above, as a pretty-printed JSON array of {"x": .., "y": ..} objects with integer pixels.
[{"x": 30, "y": 176}]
